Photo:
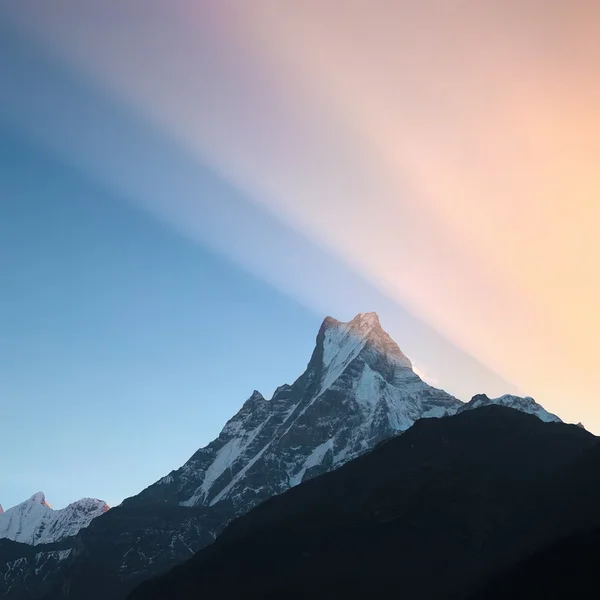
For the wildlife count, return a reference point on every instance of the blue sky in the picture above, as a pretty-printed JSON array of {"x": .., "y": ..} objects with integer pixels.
[{"x": 124, "y": 345}]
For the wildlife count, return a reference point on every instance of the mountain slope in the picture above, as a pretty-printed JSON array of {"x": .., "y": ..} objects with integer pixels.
[
  {"x": 28, "y": 571},
  {"x": 35, "y": 522},
  {"x": 456, "y": 498}
]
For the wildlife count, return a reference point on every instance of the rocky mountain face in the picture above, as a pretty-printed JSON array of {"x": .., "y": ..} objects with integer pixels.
[
  {"x": 35, "y": 522},
  {"x": 431, "y": 514},
  {"x": 28, "y": 571},
  {"x": 357, "y": 390}
]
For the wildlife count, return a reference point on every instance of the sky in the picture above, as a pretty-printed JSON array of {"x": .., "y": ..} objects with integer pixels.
[{"x": 188, "y": 188}]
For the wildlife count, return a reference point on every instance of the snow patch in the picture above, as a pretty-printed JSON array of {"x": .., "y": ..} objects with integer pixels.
[
  {"x": 368, "y": 387},
  {"x": 341, "y": 346},
  {"x": 225, "y": 458},
  {"x": 314, "y": 458},
  {"x": 237, "y": 478}
]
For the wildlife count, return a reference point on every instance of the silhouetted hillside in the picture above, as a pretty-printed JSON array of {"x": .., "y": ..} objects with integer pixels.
[{"x": 433, "y": 513}]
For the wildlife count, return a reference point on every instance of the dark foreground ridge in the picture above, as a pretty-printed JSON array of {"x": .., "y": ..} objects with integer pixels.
[{"x": 437, "y": 512}]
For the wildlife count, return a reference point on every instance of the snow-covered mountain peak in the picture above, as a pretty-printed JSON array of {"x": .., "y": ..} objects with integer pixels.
[
  {"x": 39, "y": 498},
  {"x": 88, "y": 504},
  {"x": 340, "y": 344},
  {"x": 1, "y": 509},
  {"x": 526, "y": 404},
  {"x": 36, "y": 522}
]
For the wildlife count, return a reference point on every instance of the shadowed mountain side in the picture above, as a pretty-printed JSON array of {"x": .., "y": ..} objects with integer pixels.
[
  {"x": 567, "y": 565},
  {"x": 113, "y": 553},
  {"x": 28, "y": 571},
  {"x": 455, "y": 498},
  {"x": 567, "y": 568}
]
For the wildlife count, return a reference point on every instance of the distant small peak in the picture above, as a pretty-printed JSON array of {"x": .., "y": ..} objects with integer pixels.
[
  {"x": 580, "y": 424},
  {"x": 39, "y": 498},
  {"x": 92, "y": 504},
  {"x": 256, "y": 395},
  {"x": 480, "y": 398},
  {"x": 1, "y": 509},
  {"x": 286, "y": 387}
]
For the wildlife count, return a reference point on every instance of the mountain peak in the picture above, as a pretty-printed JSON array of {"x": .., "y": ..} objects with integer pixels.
[
  {"x": 39, "y": 498},
  {"x": 89, "y": 504},
  {"x": 34, "y": 521},
  {"x": 1, "y": 509},
  {"x": 339, "y": 344},
  {"x": 526, "y": 404},
  {"x": 256, "y": 395}
]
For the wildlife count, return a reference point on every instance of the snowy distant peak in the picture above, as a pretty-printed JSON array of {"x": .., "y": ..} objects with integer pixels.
[
  {"x": 1, "y": 509},
  {"x": 35, "y": 522},
  {"x": 526, "y": 404},
  {"x": 89, "y": 504},
  {"x": 39, "y": 498}
]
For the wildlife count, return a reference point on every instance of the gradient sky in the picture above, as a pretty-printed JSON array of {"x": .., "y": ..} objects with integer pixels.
[{"x": 187, "y": 188}]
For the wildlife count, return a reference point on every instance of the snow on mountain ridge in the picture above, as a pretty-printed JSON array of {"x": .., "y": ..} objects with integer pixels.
[
  {"x": 40, "y": 498},
  {"x": 36, "y": 522},
  {"x": 524, "y": 404}
]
